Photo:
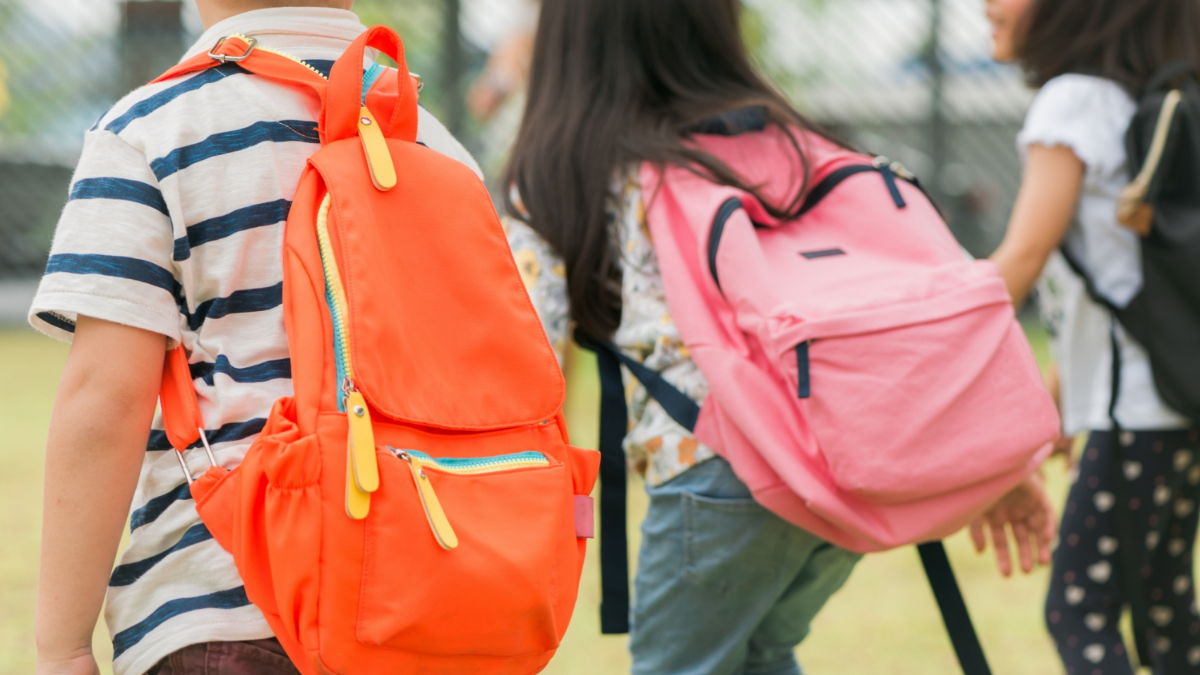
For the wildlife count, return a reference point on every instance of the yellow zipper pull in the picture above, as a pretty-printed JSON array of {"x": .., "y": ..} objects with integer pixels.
[
  {"x": 358, "y": 503},
  {"x": 442, "y": 532},
  {"x": 361, "y": 442},
  {"x": 379, "y": 157}
]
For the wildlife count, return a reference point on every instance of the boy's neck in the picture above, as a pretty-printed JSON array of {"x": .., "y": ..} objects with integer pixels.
[{"x": 213, "y": 12}]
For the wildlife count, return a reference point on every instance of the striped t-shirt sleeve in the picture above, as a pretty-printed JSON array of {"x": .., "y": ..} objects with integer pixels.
[{"x": 111, "y": 257}]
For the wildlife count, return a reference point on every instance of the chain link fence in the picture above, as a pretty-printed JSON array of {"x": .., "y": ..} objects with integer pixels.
[{"x": 910, "y": 79}]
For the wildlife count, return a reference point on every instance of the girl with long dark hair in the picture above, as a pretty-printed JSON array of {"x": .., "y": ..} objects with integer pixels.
[
  {"x": 723, "y": 586},
  {"x": 1090, "y": 60}
]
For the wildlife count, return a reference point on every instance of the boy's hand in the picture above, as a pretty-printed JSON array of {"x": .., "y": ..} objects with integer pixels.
[
  {"x": 1028, "y": 511},
  {"x": 84, "y": 664}
]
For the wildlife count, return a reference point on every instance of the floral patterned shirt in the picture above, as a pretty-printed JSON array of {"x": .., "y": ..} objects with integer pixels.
[{"x": 656, "y": 445}]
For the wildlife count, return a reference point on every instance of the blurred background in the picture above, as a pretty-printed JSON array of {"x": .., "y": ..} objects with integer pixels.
[{"x": 909, "y": 79}]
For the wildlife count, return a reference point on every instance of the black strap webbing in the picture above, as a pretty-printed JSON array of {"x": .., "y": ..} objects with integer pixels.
[
  {"x": 614, "y": 543},
  {"x": 1129, "y": 543},
  {"x": 1130, "y": 546},
  {"x": 954, "y": 609},
  {"x": 1088, "y": 285}
]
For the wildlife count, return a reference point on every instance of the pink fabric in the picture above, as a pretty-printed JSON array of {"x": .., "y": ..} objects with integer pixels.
[
  {"x": 585, "y": 520},
  {"x": 926, "y": 402}
]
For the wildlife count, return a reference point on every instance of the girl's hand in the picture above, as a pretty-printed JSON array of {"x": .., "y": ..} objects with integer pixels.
[
  {"x": 83, "y": 664},
  {"x": 1063, "y": 445},
  {"x": 1028, "y": 512}
]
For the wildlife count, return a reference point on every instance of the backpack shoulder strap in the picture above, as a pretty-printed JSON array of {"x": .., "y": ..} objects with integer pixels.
[
  {"x": 246, "y": 54},
  {"x": 1167, "y": 75}
]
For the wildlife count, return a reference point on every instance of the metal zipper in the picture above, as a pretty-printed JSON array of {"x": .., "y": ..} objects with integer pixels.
[{"x": 362, "y": 467}]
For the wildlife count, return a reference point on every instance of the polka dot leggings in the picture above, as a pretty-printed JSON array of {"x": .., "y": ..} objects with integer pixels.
[{"x": 1083, "y": 608}]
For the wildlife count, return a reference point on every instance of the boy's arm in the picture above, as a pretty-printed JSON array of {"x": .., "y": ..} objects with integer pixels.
[{"x": 98, "y": 432}]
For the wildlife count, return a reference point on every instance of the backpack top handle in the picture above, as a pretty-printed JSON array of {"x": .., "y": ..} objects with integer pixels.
[{"x": 344, "y": 104}]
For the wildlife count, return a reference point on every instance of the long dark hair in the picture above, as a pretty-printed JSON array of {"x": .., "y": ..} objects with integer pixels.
[
  {"x": 1123, "y": 40},
  {"x": 615, "y": 82}
]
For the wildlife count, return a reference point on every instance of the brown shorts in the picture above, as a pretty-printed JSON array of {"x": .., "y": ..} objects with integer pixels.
[{"x": 255, "y": 657}]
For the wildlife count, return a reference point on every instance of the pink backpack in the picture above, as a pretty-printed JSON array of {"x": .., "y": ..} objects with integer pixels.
[{"x": 869, "y": 383}]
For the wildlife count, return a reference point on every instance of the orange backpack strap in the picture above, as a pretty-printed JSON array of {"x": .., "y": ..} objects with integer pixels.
[
  {"x": 244, "y": 51},
  {"x": 341, "y": 118},
  {"x": 180, "y": 409}
]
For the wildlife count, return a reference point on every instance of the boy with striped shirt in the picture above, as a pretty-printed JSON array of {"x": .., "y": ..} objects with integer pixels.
[{"x": 173, "y": 235}]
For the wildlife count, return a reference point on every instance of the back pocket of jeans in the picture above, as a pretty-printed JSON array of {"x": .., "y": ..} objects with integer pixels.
[{"x": 731, "y": 545}]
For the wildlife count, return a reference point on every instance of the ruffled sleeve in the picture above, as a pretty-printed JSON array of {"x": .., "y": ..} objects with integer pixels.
[
  {"x": 1089, "y": 115},
  {"x": 545, "y": 278}
]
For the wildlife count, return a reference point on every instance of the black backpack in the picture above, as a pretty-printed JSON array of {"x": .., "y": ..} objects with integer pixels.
[{"x": 1163, "y": 144}]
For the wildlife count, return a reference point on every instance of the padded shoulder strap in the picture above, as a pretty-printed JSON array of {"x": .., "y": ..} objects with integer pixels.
[
  {"x": 245, "y": 52},
  {"x": 1166, "y": 76}
]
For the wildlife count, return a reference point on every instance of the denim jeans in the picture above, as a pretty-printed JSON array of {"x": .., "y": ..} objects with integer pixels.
[{"x": 723, "y": 586}]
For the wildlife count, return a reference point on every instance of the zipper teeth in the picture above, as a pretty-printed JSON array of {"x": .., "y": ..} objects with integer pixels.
[
  {"x": 277, "y": 52},
  {"x": 483, "y": 465},
  {"x": 333, "y": 283}
]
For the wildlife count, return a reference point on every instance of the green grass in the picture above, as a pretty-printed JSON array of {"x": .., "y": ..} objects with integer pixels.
[{"x": 884, "y": 621}]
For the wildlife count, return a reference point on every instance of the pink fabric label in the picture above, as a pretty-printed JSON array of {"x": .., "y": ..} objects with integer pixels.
[{"x": 585, "y": 521}]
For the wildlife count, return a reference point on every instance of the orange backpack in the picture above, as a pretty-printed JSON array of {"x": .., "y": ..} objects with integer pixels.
[{"x": 415, "y": 506}]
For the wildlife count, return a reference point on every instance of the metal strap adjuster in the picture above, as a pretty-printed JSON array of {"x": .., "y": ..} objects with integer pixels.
[
  {"x": 212, "y": 461},
  {"x": 226, "y": 58}
]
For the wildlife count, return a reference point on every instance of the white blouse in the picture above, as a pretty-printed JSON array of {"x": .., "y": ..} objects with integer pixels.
[{"x": 1090, "y": 115}]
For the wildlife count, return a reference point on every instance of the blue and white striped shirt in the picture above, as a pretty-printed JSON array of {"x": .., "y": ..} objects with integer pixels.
[{"x": 175, "y": 225}]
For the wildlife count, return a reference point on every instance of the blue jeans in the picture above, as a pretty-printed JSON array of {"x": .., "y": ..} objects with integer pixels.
[{"x": 723, "y": 586}]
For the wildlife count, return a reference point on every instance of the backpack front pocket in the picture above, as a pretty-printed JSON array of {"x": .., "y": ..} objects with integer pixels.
[{"x": 461, "y": 554}]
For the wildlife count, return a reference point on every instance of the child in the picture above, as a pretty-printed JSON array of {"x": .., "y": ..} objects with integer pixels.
[
  {"x": 173, "y": 234},
  {"x": 723, "y": 586},
  {"x": 1090, "y": 58}
]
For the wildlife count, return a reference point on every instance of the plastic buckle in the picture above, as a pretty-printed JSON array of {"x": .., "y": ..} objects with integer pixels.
[
  {"x": 212, "y": 461},
  {"x": 226, "y": 58}
]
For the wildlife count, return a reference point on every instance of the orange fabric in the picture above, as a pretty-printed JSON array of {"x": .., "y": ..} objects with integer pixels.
[
  {"x": 181, "y": 410},
  {"x": 452, "y": 362}
]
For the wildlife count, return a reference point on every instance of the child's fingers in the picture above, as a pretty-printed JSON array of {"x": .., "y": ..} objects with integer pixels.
[
  {"x": 978, "y": 538},
  {"x": 1024, "y": 538},
  {"x": 1000, "y": 543},
  {"x": 1045, "y": 536}
]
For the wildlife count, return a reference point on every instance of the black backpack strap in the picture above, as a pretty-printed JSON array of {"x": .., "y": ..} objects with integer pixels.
[
  {"x": 954, "y": 609},
  {"x": 1130, "y": 545},
  {"x": 614, "y": 542},
  {"x": 1088, "y": 285},
  {"x": 1167, "y": 75},
  {"x": 1132, "y": 555}
]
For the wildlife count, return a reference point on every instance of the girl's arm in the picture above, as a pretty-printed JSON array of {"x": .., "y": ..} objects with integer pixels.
[
  {"x": 1043, "y": 213},
  {"x": 545, "y": 279},
  {"x": 97, "y": 442}
]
